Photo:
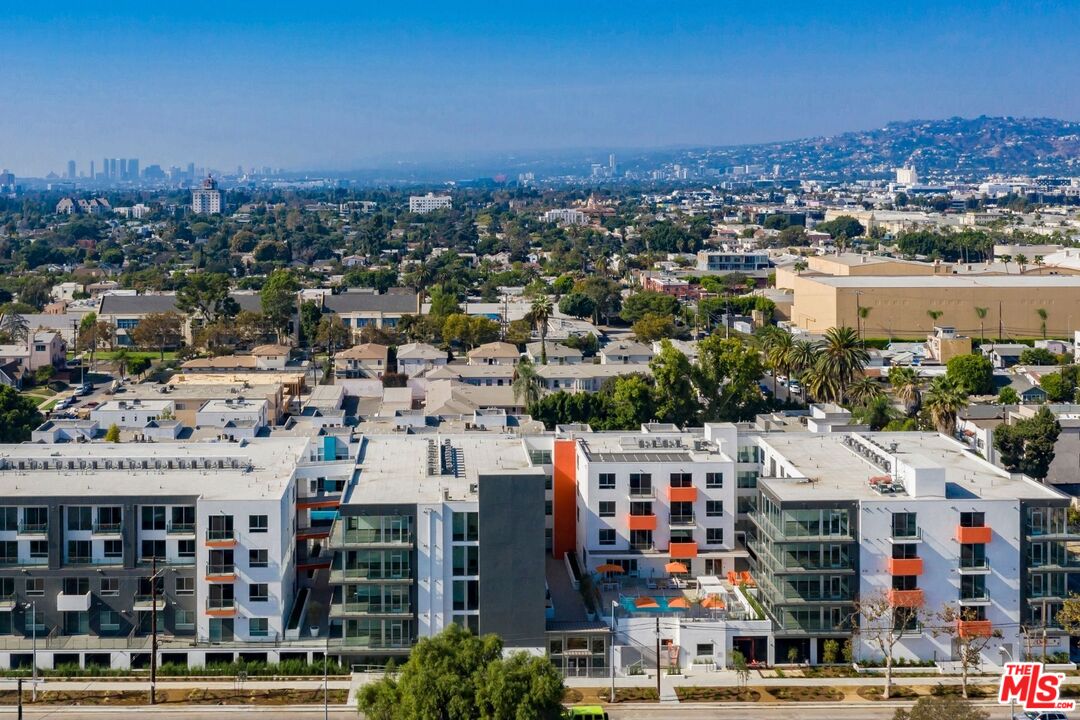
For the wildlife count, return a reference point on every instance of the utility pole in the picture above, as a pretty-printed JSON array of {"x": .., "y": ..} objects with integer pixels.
[
  {"x": 612, "y": 653},
  {"x": 153, "y": 630},
  {"x": 325, "y": 683},
  {"x": 33, "y": 622},
  {"x": 658, "y": 659},
  {"x": 19, "y": 691}
]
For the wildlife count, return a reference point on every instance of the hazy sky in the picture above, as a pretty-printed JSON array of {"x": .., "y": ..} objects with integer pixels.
[{"x": 354, "y": 84}]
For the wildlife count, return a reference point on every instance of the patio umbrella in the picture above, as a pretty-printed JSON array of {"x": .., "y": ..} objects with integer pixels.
[
  {"x": 609, "y": 568},
  {"x": 713, "y": 602},
  {"x": 645, "y": 602},
  {"x": 676, "y": 568},
  {"x": 679, "y": 603}
]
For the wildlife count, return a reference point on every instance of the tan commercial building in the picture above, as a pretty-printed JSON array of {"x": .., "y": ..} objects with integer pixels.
[{"x": 911, "y": 306}]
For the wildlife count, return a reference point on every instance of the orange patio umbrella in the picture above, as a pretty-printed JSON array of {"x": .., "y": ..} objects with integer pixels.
[
  {"x": 609, "y": 568},
  {"x": 713, "y": 602},
  {"x": 679, "y": 603},
  {"x": 645, "y": 602},
  {"x": 675, "y": 568}
]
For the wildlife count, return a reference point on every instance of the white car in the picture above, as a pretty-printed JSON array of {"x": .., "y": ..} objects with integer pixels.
[{"x": 1041, "y": 715}]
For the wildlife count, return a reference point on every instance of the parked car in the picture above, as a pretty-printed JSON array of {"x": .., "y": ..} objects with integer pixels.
[
  {"x": 1040, "y": 715},
  {"x": 83, "y": 390}
]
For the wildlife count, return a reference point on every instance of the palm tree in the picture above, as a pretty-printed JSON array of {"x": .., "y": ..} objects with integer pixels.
[
  {"x": 1039, "y": 262},
  {"x": 1021, "y": 260},
  {"x": 905, "y": 383},
  {"x": 800, "y": 357},
  {"x": 121, "y": 358},
  {"x": 863, "y": 390},
  {"x": 799, "y": 266},
  {"x": 777, "y": 351},
  {"x": 1006, "y": 259},
  {"x": 526, "y": 383},
  {"x": 945, "y": 400},
  {"x": 842, "y": 359},
  {"x": 981, "y": 312},
  {"x": 539, "y": 314},
  {"x": 1041, "y": 312},
  {"x": 864, "y": 312},
  {"x": 935, "y": 314},
  {"x": 877, "y": 413}
]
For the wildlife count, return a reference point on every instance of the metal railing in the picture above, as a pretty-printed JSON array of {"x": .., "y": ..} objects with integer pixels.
[
  {"x": 182, "y": 529},
  {"x": 220, "y": 534},
  {"x": 107, "y": 528}
]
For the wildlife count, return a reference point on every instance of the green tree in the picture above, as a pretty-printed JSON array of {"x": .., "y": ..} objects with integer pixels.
[
  {"x": 18, "y": 416},
  {"x": 469, "y": 330},
  {"x": 205, "y": 296},
  {"x": 676, "y": 401},
  {"x": 944, "y": 400},
  {"x": 973, "y": 374},
  {"x": 458, "y": 676},
  {"x": 981, "y": 312},
  {"x": 654, "y": 327},
  {"x": 1027, "y": 446},
  {"x": 443, "y": 303},
  {"x": 844, "y": 225},
  {"x": 840, "y": 360},
  {"x": 539, "y": 314},
  {"x": 112, "y": 435},
  {"x": 278, "y": 298},
  {"x": 741, "y": 668},
  {"x": 1008, "y": 396},
  {"x": 632, "y": 402},
  {"x": 576, "y": 304},
  {"x": 726, "y": 378},
  {"x": 310, "y": 315},
  {"x": 606, "y": 296},
  {"x": 905, "y": 383},
  {"x": 1037, "y": 356},
  {"x": 526, "y": 384},
  {"x": 941, "y": 707},
  {"x": 159, "y": 330},
  {"x": 1060, "y": 386},
  {"x": 1043, "y": 315},
  {"x": 640, "y": 304}
]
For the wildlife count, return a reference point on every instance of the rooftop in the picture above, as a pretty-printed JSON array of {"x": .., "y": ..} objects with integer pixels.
[{"x": 1037, "y": 282}]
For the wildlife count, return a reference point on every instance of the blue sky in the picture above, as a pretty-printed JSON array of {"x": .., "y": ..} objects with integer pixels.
[{"x": 352, "y": 85}]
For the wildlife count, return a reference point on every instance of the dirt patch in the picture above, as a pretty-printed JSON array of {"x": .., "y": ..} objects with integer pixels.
[
  {"x": 799, "y": 693},
  {"x": 897, "y": 692},
  {"x": 636, "y": 694},
  {"x": 716, "y": 694},
  {"x": 180, "y": 696}
]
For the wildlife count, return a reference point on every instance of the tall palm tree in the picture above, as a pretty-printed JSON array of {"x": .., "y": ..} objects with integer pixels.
[
  {"x": 945, "y": 399},
  {"x": 935, "y": 314},
  {"x": 905, "y": 383},
  {"x": 799, "y": 266},
  {"x": 539, "y": 314},
  {"x": 1021, "y": 260},
  {"x": 1039, "y": 262},
  {"x": 841, "y": 360},
  {"x": 526, "y": 383},
  {"x": 800, "y": 357},
  {"x": 777, "y": 351},
  {"x": 1041, "y": 312},
  {"x": 864, "y": 312},
  {"x": 981, "y": 313}
]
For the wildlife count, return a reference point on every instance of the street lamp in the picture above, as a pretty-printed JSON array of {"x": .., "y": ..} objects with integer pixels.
[
  {"x": 32, "y": 605},
  {"x": 611, "y": 652},
  {"x": 1012, "y": 700}
]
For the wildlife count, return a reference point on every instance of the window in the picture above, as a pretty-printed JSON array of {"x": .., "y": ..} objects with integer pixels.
[
  {"x": 78, "y": 552},
  {"x": 80, "y": 518},
  {"x": 714, "y": 536},
  {"x": 972, "y": 519},
  {"x": 35, "y": 520},
  {"x": 607, "y": 481},
  {"x": 185, "y": 549},
  {"x": 76, "y": 586},
  {"x": 466, "y": 527},
  {"x": 35, "y": 587},
  {"x": 185, "y": 619},
  {"x": 258, "y": 523},
  {"x": 113, "y": 548},
  {"x": 257, "y": 559},
  {"x": 110, "y": 587},
  {"x": 704, "y": 650},
  {"x": 466, "y": 560},
  {"x": 258, "y": 627},
  {"x": 640, "y": 484},
  {"x": 607, "y": 508},
  {"x": 153, "y": 517},
  {"x": 152, "y": 549},
  {"x": 746, "y": 479},
  {"x": 39, "y": 548},
  {"x": 714, "y": 480},
  {"x": 109, "y": 621},
  {"x": 679, "y": 480},
  {"x": 185, "y": 586},
  {"x": 466, "y": 594},
  {"x": 9, "y": 518},
  {"x": 182, "y": 519},
  {"x": 607, "y": 536},
  {"x": 714, "y": 508},
  {"x": 109, "y": 519},
  {"x": 548, "y": 507},
  {"x": 903, "y": 525},
  {"x": 469, "y": 622},
  {"x": 258, "y": 592}
]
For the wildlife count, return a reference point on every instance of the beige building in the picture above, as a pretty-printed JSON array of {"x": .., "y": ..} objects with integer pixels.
[
  {"x": 944, "y": 344},
  {"x": 911, "y": 306}
]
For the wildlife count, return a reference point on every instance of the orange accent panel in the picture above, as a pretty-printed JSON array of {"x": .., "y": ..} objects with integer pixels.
[
  {"x": 906, "y": 598},
  {"x": 968, "y": 535},
  {"x": 310, "y": 534},
  {"x": 564, "y": 497},
  {"x": 682, "y": 494},
  {"x": 222, "y": 612},
  {"x": 905, "y": 566},
  {"x": 308, "y": 504},
  {"x": 683, "y": 549},
  {"x": 641, "y": 522},
  {"x": 210, "y": 577},
  {"x": 221, "y": 543},
  {"x": 974, "y": 628}
]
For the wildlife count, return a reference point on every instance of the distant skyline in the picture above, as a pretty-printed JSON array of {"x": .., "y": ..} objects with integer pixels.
[{"x": 357, "y": 85}]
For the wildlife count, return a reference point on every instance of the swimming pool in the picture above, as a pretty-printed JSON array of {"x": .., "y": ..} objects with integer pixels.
[{"x": 661, "y": 602}]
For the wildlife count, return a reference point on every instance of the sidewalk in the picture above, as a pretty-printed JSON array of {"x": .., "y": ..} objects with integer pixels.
[{"x": 728, "y": 678}]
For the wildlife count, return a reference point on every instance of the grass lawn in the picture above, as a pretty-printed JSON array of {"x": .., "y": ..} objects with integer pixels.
[{"x": 48, "y": 406}]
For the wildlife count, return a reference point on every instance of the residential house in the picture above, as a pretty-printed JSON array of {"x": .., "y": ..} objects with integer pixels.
[
  {"x": 417, "y": 359},
  {"x": 368, "y": 360},
  {"x": 495, "y": 353},
  {"x": 625, "y": 352}
]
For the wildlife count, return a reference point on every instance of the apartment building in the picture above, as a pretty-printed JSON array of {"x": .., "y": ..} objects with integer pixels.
[
  {"x": 82, "y": 527},
  {"x": 207, "y": 200},
  {"x": 427, "y": 203},
  {"x": 721, "y": 261},
  {"x": 433, "y": 531},
  {"x": 914, "y": 518}
]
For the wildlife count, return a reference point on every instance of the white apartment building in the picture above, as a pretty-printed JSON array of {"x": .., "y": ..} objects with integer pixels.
[
  {"x": 565, "y": 216},
  {"x": 207, "y": 200},
  {"x": 427, "y": 203}
]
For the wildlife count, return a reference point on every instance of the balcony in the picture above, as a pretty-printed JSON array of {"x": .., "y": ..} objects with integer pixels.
[
  {"x": 682, "y": 550},
  {"x": 220, "y": 538},
  {"x": 974, "y": 567},
  {"x": 8, "y": 602},
  {"x": 72, "y": 603},
  {"x": 682, "y": 520},
  {"x": 221, "y": 607},
  {"x": 221, "y": 573},
  {"x": 643, "y": 547},
  {"x": 641, "y": 522},
  {"x": 973, "y": 535},
  {"x": 905, "y": 566},
  {"x": 146, "y": 603},
  {"x": 340, "y": 610},
  {"x": 906, "y": 598},
  {"x": 341, "y": 537},
  {"x": 974, "y": 628},
  {"x": 642, "y": 492},
  {"x": 682, "y": 494},
  {"x": 328, "y": 501},
  {"x": 375, "y": 574},
  {"x": 976, "y": 598},
  {"x": 101, "y": 528},
  {"x": 181, "y": 528},
  {"x": 26, "y": 528}
]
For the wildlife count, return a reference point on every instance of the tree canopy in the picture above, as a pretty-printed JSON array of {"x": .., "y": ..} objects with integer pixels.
[{"x": 18, "y": 416}]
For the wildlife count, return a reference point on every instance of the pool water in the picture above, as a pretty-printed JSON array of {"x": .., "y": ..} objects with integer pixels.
[{"x": 662, "y": 605}]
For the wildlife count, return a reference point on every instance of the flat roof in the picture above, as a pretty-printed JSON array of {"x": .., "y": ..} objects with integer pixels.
[
  {"x": 950, "y": 281},
  {"x": 263, "y": 469},
  {"x": 839, "y": 473},
  {"x": 395, "y": 467}
]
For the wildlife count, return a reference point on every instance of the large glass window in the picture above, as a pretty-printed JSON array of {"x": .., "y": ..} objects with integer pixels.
[
  {"x": 153, "y": 517},
  {"x": 466, "y": 526},
  {"x": 80, "y": 518}
]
